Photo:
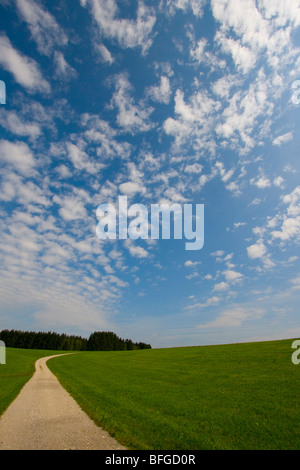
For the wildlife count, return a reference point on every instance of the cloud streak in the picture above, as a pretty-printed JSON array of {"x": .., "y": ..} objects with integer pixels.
[
  {"x": 25, "y": 70},
  {"x": 128, "y": 33}
]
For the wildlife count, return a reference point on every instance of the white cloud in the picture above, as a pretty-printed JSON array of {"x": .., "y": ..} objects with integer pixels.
[
  {"x": 133, "y": 117},
  {"x": 71, "y": 207},
  {"x": 135, "y": 183},
  {"x": 225, "y": 175},
  {"x": 136, "y": 251},
  {"x": 194, "y": 122},
  {"x": 293, "y": 199},
  {"x": 281, "y": 13},
  {"x": 296, "y": 283},
  {"x": 263, "y": 27},
  {"x": 261, "y": 182},
  {"x": 26, "y": 71},
  {"x": 162, "y": 92},
  {"x": 239, "y": 224},
  {"x": 100, "y": 132},
  {"x": 243, "y": 57},
  {"x": 81, "y": 160},
  {"x": 232, "y": 276},
  {"x": 128, "y": 33},
  {"x": 218, "y": 253},
  {"x": 25, "y": 193},
  {"x": 258, "y": 250},
  {"x": 197, "y": 51},
  {"x": 195, "y": 5},
  {"x": 240, "y": 117},
  {"x": 290, "y": 227},
  {"x": 278, "y": 181},
  {"x": 43, "y": 27},
  {"x": 222, "y": 87},
  {"x": 211, "y": 301},
  {"x": 105, "y": 54},
  {"x": 221, "y": 286},
  {"x": 12, "y": 122},
  {"x": 63, "y": 171},
  {"x": 174, "y": 195},
  {"x": 253, "y": 33},
  {"x": 245, "y": 19},
  {"x": 283, "y": 139},
  {"x": 193, "y": 168},
  {"x": 63, "y": 69},
  {"x": 190, "y": 263},
  {"x": 200, "y": 54},
  {"x": 57, "y": 300},
  {"x": 284, "y": 227},
  {"x": 234, "y": 317},
  {"x": 18, "y": 155},
  {"x": 31, "y": 193},
  {"x": 130, "y": 188},
  {"x": 255, "y": 202},
  {"x": 201, "y": 105}
]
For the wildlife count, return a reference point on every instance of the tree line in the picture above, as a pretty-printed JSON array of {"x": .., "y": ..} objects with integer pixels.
[{"x": 97, "y": 341}]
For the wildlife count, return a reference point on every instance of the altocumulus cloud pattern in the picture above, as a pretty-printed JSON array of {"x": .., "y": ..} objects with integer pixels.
[{"x": 169, "y": 102}]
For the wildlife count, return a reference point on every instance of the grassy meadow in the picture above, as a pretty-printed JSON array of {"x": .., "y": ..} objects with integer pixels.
[{"x": 241, "y": 396}]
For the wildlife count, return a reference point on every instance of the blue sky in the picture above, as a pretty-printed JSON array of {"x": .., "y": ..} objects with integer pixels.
[{"x": 182, "y": 101}]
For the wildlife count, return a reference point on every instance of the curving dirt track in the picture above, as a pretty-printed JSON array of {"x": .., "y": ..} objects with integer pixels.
[{"x": 45, "y": 417}]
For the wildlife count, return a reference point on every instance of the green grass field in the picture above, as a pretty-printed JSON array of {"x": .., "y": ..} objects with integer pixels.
[
  {"x": 242, "y": 396},
  {"x": 16, "y": 372}
]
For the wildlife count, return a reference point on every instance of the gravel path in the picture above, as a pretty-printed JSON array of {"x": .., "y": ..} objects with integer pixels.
[{"x": 45, "y": 417}]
